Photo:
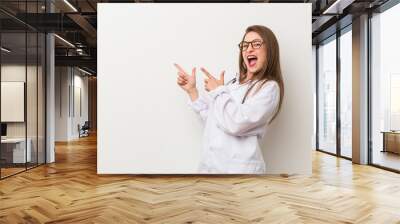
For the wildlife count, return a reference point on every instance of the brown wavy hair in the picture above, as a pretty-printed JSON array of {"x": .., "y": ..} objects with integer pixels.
[{"x": 271, "y": 70}]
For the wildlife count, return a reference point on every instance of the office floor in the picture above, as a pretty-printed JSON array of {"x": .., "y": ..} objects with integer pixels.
[{"x": 70, "y": 191}]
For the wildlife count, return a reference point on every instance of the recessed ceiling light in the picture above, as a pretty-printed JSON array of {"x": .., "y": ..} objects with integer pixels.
[
  {"x": 64, "y": 40},
  {"x": 5, "y": 50},
  {"x": 84, "y": 71},
  {"x": 338, "y": 6},
  {"x": 70, "y": 5}
]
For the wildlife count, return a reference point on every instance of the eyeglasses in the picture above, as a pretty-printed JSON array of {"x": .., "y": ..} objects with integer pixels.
[{"x": 255, "y": 44}]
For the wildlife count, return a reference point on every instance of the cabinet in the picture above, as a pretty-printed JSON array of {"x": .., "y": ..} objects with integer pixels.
[{"x": 391, "y": 142}]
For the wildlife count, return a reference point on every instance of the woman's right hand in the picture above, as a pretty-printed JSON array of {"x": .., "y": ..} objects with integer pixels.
[{"x": 185, "y": 81}]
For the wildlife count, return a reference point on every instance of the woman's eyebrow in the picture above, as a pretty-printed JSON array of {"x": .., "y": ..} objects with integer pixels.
[{"x": 252, "y": 40}]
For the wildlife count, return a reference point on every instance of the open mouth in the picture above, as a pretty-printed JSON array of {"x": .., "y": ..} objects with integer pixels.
[{"x": 252, "y": 60}]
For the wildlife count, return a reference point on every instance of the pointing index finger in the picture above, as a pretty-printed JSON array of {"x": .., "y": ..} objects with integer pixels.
[
  {"x": 207, "y": 73},
  {"x": 179, "y": 68}
]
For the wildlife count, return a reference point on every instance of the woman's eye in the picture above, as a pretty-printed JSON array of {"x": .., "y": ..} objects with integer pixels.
[{"x": 257, "y": 44}]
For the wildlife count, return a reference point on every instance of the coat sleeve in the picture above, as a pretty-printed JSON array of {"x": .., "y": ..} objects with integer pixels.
[
  {"x": 239, "y": 119},
  {"x": 200, "y": 106}
]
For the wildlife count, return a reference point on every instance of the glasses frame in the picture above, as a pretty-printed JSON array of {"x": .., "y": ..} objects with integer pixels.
[{"x": 250, "y": 43}]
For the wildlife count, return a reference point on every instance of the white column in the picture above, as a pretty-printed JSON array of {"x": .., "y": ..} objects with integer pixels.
[
  {"x": 50, "y": 110},
  {"x": 360, "y": 90},
  {"x": 50, "y": 92}
]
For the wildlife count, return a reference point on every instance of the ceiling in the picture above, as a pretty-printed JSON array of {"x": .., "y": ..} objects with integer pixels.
[{"x": 76, "y": 22}]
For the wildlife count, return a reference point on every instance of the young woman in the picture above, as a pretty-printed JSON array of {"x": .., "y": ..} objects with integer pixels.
[{"x": 237, "y": 114}]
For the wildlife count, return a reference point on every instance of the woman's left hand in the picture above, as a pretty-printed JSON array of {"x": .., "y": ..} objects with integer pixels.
[{"x": 212, "y": 83}]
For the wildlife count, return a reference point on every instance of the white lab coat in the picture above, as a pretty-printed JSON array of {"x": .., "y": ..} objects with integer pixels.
[{"x": 233, "y": 131}]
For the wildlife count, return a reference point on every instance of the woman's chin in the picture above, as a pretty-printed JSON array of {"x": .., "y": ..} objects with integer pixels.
[{"x": 253, "y": 69}]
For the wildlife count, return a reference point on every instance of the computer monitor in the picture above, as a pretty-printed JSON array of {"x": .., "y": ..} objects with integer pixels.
[{"x": 3, "y": 129}]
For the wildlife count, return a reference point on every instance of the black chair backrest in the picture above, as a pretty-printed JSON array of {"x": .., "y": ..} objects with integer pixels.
[{"x": 86, "y": 125}]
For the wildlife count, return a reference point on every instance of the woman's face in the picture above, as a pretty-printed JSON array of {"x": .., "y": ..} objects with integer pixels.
[{"x": 254, "y": 58}]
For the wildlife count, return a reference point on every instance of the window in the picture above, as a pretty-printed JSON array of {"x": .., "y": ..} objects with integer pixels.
[
  {"x": 385, "y": 89},
  {"x": 327, "y": 96},
  {"x": 346, "y": 93}
]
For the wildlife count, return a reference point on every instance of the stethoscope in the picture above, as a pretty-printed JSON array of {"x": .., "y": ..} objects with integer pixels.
[{"x": 232, "y": 81}]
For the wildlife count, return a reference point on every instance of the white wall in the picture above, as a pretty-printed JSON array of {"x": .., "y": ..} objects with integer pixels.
[
  {"x": 144, "y": 123},
  {"x": 61, "y": 103},
  {"x": 80, "y": 84},
  {"x": 67, "y": 84}
]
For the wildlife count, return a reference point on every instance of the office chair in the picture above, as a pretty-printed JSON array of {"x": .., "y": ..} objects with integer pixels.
[{"x": 84, "y": 130}]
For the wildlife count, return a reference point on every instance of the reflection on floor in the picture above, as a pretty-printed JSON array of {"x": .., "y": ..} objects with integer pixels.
[
  {"x": 10, "y": 171},
  {"x": 346, "y": 152},
  {"x": 386, "y": 159},
  {"x": 11, "y": 168}
]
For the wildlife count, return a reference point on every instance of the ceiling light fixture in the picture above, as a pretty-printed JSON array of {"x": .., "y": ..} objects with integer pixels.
[
  {"x": 64, "y": 40},
  {"x": 337, "y": 7},
  {"x": 84, "y": 71},
  {"x": 5, "y": 50},
  {"x": 70, "y": 5}
]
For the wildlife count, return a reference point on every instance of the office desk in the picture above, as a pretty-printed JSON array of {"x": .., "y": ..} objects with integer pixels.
[
  {"x": 13, "y": 150},
  {"x": 391, "y": 141}
]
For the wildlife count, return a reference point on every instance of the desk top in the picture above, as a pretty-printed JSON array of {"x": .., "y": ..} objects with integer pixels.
[
  {"x": 390, "y": 132},
  {"x": 13, "y": 140}
]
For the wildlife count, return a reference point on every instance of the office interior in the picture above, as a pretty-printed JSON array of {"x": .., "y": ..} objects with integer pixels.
[{"x": 49, "y": 74}]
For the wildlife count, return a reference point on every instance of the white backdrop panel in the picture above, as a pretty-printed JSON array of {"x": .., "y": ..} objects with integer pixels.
[{"x": 144, "y": 123}]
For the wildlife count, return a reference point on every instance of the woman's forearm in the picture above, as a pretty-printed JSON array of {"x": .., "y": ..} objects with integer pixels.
[{"x": 193, "y": 94}]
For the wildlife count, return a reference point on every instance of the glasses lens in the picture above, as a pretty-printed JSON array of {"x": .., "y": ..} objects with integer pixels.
[
  {"x": 256, "y": 44},
  {"x": 243, "y": 45}
]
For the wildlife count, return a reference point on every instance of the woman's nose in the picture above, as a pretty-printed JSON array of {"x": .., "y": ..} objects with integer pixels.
[{"x": 250, "y": 48}]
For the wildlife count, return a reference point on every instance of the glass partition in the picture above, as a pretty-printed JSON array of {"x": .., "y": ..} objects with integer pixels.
[
  {"x": 32, "y": 95},
  {"x": 41, "y": 88},
  {"x": 14, "y": 153},
  {"x": 22, "y": 63}
]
